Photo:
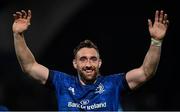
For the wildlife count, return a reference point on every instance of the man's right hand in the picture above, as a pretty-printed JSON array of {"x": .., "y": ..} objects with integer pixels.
[
  {"x": 21, "y": 22},
  {"x": 24, "y": 55}
]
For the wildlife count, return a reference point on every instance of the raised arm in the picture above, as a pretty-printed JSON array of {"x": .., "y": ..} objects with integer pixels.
[
  {"x": 138, "y": 76},
  {"x": 24, "y": 55}
]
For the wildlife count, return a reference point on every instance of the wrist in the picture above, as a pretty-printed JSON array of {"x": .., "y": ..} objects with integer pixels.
[
  {"x": 156, "y": 42},
  {"x": 17, "y": 33}
]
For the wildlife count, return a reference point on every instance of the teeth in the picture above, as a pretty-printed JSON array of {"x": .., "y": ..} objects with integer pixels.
[{"x": 89, "y": 70}]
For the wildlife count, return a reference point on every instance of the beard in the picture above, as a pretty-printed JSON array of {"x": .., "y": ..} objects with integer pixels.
[{"x": 88, "y": 74}]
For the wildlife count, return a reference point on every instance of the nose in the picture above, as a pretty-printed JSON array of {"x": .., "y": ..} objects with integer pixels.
[{"x": 88, "y": 63}]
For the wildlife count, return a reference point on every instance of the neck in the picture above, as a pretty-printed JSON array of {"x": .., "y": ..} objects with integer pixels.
[{"x": 85, "y": 82}]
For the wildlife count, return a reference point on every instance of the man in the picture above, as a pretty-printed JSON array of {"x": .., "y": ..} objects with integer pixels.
[{"x": 89, "y": 90}]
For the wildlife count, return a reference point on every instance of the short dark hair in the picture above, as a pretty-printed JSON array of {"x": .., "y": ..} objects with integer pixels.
[{"x": 85, "y": 44}]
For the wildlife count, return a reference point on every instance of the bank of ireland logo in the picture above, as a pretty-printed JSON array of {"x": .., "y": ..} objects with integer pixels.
[
  {"x": 72, "y": 90},
  {"x": 84, "y": 102},
  {"x": 100, "y": 89}
]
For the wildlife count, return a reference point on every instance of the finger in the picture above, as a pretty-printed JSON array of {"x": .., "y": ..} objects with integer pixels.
[
  {"x": 19, "y": 14},
  {"x": 161, "y": 16},
  {"x": 167, "y": 23},
  {"x": 24, "y": 14},
  {"x": 164, "y": 22},
  {"x": 15, "y": 16},
  {"x": 149, "y": 23},
  {"x": 156, "y": 16},
  {"x": 165, "y": 17},
  {"x": 29, "y": 15}
]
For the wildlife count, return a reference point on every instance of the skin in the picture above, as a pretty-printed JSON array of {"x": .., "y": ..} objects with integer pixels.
[
  {"x": 87, "y": 64},
  {"x": 138, "y": 76},
  {"x": 88, "y": 67},
  {"x": 25, "y": 58}
]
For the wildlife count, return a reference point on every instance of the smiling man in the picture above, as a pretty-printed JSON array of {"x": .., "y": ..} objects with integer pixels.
[
  {"x": 89, "y": 90},
  {"x": 87, "y": 62}
]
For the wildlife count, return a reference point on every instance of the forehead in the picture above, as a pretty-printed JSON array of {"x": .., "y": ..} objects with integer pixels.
[{"x": 88, "y": 52}]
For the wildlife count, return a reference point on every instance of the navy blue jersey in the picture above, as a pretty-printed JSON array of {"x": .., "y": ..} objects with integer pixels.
[{"x": 103, "y": 95}]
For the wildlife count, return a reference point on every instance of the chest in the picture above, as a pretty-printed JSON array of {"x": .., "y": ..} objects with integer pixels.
[{"x": 92, "y": 97}]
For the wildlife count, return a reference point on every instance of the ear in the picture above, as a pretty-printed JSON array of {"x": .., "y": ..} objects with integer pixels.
[
  {"x": 100, "y": 62},
  {"x": 74, "y": 63}
]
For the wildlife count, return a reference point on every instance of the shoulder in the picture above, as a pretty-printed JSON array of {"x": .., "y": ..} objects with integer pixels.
[
  {"x": 118, "y": 79},
  {"x": 113, "y": 79},
  {"x": 60, "y": 75},
  {"x": 115, "y": 76},
  {"x": 57, "y": 77}
]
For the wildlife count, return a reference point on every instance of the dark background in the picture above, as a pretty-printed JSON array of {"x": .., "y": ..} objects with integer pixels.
[{"x": 120, "y": 30}]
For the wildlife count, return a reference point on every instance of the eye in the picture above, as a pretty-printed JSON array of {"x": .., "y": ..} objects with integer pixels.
[
  {"x": 93, "y": 58},
  {"x": 83, "y": 59}
]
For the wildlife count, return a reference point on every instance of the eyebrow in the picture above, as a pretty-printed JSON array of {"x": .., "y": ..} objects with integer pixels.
[{"x": 90, "y": 57}]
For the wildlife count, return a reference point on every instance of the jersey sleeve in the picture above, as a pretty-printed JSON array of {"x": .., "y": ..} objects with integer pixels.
[
  {"x": 121, "y": 82},
  {"x": 49, "y": 82},
  {"x": 125, "y": 85},
  {"x": 57, "y": 79}
]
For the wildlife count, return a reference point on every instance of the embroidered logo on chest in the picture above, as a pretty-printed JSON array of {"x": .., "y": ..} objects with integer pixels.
[
  {"x": 72, "y": 90},
  {"x": 100, "y": 89},
  {"x": 84, "y": 102}
]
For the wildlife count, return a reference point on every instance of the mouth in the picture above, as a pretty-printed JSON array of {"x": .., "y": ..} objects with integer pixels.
[{"x": 89, "y": 71}]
